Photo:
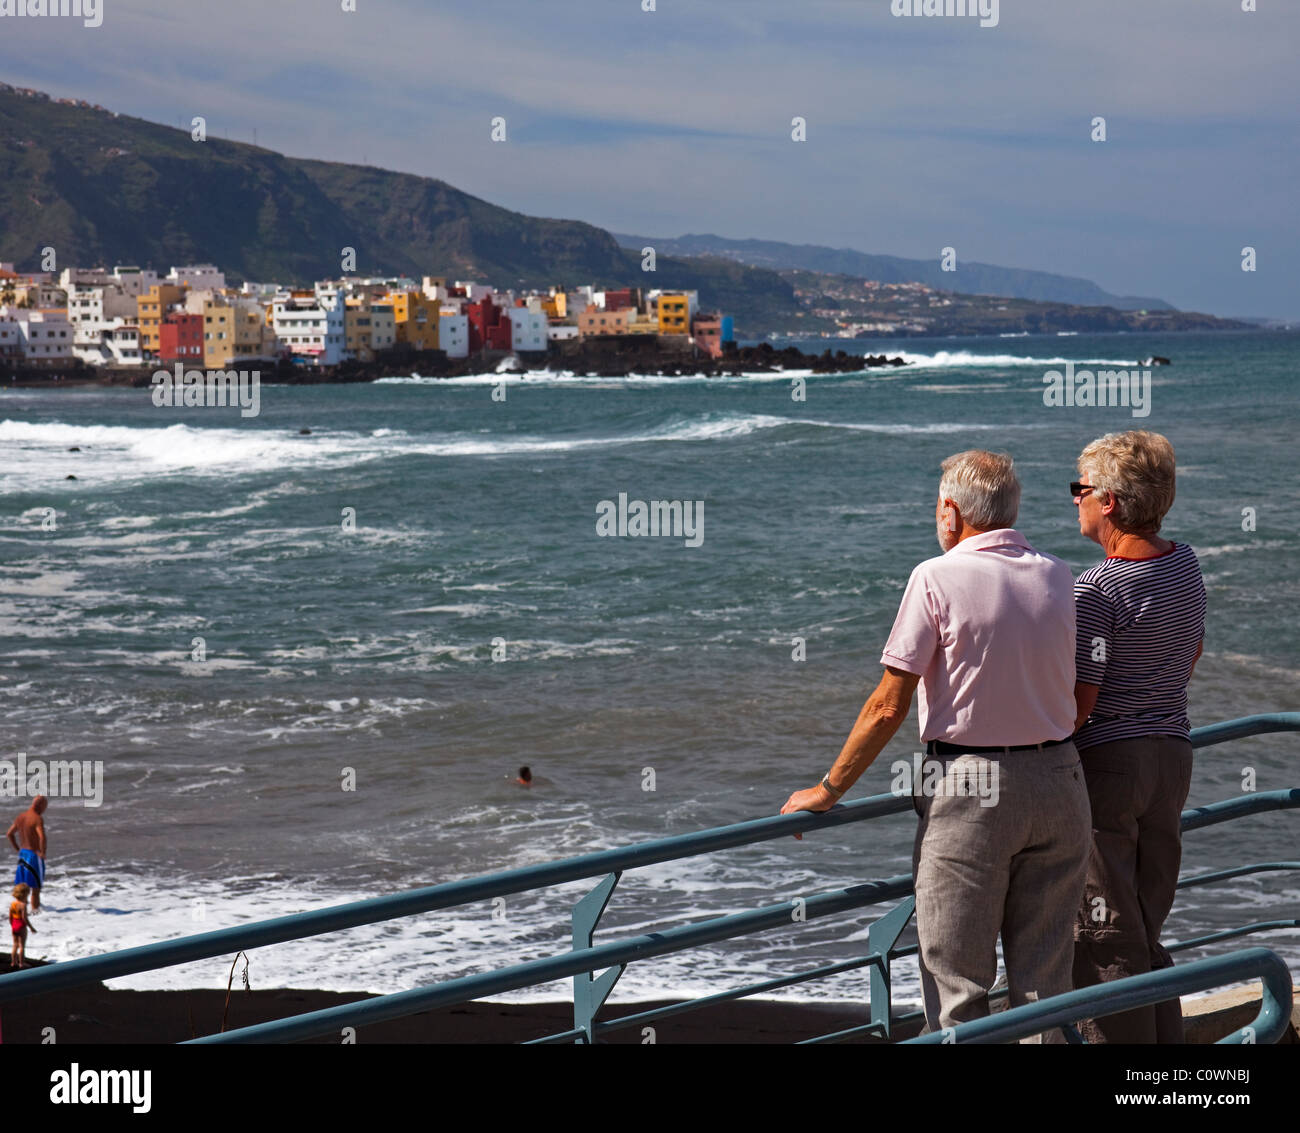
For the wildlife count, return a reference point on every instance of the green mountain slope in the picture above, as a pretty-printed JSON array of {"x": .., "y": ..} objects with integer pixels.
[{"x": 103, "y": 189}]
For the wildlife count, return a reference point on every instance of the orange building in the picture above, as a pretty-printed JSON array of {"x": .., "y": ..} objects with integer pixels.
[
  {"x": 416, "y": 318},
  {"x": 151, "y": 309}
]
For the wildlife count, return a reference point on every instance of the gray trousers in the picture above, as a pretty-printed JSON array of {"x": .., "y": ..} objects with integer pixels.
[
  {"x": 1017, "y": 868},
  {"x": 1137, "y": 788}
]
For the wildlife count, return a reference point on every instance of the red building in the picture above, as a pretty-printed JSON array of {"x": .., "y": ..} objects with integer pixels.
[
  {"x": 180, "y": 339},
  {"x": 618, "y": 300},
  {"x": 489, "y": 326}
]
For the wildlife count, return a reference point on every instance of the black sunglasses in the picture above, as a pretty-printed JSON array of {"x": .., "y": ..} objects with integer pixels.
[{"x": 1078, "y": 489}]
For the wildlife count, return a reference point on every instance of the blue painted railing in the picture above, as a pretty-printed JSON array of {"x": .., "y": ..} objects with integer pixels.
[
  {"x": 1141, "y": 991},
  {"x": 584, "y": 958}
]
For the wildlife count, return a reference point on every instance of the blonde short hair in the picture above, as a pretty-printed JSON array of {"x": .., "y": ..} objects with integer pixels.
[
  {"x": 984, "y": 486},
  {"x": 21, "y": 890},
  {"x": 1137, "y": 469}
]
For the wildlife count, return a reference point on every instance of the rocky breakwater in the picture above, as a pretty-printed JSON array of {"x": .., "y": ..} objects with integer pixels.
[{"x": 596, "y": 359}]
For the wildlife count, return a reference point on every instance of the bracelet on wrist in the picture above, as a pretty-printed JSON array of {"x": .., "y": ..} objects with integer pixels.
[{"x": 826, "y": 782}]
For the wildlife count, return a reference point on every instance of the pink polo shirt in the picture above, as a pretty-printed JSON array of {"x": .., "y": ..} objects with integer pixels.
[{"x": 989, "y": 629}]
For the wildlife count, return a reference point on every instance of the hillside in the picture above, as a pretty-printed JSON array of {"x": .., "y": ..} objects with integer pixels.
[
  {"x": 970, "y": 278},
  {"x": 102, "y": 189}
]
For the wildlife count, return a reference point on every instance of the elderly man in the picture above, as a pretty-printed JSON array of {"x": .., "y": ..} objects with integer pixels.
[{"x": 988, "y": 631}]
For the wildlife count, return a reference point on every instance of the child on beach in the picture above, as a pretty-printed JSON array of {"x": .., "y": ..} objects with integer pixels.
[{"x": 19, "y": 924}]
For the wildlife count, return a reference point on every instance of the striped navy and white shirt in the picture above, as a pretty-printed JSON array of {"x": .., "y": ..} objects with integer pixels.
[{"x": 1139, "y": 624}]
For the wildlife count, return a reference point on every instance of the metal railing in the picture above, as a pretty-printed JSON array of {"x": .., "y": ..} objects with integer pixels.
[
  {"x": 1268, "y": 1025},
  {"x": 584, "y": 958}
]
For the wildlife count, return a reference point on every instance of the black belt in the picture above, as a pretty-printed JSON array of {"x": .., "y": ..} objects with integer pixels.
[{"x": 939, "y": 747}]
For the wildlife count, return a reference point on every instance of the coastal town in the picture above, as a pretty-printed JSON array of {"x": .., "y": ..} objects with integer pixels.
[{"x": 131, "y": 317}]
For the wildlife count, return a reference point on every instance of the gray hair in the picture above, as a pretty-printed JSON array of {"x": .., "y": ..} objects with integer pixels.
[
  {"x": 984, "y": 486},
  {"x": 1137, "y": 469}
]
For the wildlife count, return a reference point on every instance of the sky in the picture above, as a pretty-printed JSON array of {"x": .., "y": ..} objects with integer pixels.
[{"x": 921, "y": 132}]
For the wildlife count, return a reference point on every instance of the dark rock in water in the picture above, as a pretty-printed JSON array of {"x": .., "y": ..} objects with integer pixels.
[
  {"x": 304, "y": 432},
  {"x": 69, "y": 476},
  {"x": 1155, "y": 360},
  {"x": 74, "y": 448}
]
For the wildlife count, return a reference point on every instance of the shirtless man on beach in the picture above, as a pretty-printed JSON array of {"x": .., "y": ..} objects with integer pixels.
[{"x": 30, "y": 844}]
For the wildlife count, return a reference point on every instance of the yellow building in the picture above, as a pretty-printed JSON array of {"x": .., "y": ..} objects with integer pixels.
[
  {"x": 357, "y": 334},
  {"x": 556, "y": 307},
  {"x": 416, "y": 318},
  {"x": 253, "y": 338},
  {"x": 233, "y": 330},
  {"x": 218, "y": 335},
  {"x": 674, "y": 313},
  {"x": 368, "y": 328},
  {"x": 151, "y": 307}
]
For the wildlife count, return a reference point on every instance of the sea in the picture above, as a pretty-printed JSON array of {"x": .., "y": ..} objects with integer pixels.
[{"x": 311, "y": 663}]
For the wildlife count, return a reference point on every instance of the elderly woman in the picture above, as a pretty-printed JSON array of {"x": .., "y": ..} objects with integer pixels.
[{"x": 1141, "y": 617}]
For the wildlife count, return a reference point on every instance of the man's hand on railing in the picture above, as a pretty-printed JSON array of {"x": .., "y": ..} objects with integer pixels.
[{"x": 816, "y": 798}]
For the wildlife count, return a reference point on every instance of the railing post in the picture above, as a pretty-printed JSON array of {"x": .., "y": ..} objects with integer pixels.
[
  {"x": 881, "y": 938},
  {"x": 590, "y": 991}
]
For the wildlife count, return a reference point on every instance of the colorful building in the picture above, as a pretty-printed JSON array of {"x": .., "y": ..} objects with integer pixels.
[
  {"x": 594, "y": 321},
  {"x": 180, "y": 339},
  {"x": 489, "y": 325},
  {"x": 369, "y": 327},
  {"x": 556, "y": 306},
  {"x": 622, "y": 298},
  {"x": 416, "y": 318},
  {"x": 711, "y": 331},
  {"x": 218, "y": 334},
  {"x": 674, "y": 312},
  {"x": 151, "y": 307}
]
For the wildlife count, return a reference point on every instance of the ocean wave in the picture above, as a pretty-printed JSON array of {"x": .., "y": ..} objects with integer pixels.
[
  {"x": 948, "y": 359},
  {"x": 113, "y": 452}
]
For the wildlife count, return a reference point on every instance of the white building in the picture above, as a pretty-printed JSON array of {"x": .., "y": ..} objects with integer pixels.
[
  {"x": 116, "y": 345},
  {"x": 474, "y": 291},
  {"x": 84, "y": 277},
  {"x": 578, "y": 301},
  {"x": 93, "y": 308},
  {"x": 262, "y": 291},
  {"x": 44, "y": 336},
  {"x": 527, "y": 329},
  {"x": 311, "y": 326},
  {"x": 135, "y": 281},
  {"x": 560, "y": 332},
  {"x": 11, "y": 337},
  {"x": 197, "y": 302},
  {"x": 198, "y": 277},
  {"x": 453, "y": 335}
]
